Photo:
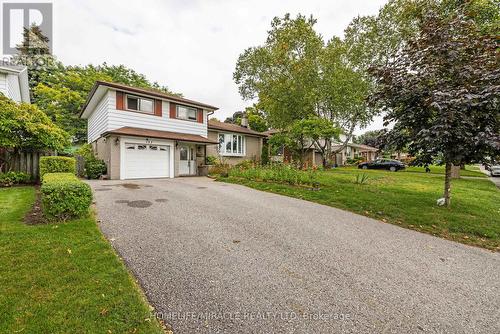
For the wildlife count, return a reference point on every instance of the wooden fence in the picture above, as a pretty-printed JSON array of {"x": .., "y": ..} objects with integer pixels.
[{"x": 26, "y": 162}]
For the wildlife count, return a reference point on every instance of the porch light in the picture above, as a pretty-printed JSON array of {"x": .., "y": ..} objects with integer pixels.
[{"x": 117, "y": 141}]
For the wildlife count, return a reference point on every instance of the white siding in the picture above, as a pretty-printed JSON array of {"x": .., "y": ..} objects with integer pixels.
[
  {"x": 13, "y": 88},
  {"x": 105, "y": 117},
  {"x": 9, "y": 86},
  {"x": 98, "y": 120},
  {"x": 3, "y": 84},
  {"x": 121, "y": 118}
]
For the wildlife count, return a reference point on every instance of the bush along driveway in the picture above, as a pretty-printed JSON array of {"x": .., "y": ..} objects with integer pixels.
[
  {"x": 407, "y": 199},
  {"x": 63, "y": 277}
]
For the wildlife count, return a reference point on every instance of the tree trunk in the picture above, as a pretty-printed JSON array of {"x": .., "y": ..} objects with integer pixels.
[
  {"x": 455, "y": 172},
  {"x": 447, "y": 185}
]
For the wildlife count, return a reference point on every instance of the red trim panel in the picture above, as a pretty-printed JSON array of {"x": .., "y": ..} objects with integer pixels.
[
  {"x": 199, "y": 116},
  {"x": 158, "y": 111},
  {"x": 120, "y": 100},
  {"x": 173, "y": 110}
]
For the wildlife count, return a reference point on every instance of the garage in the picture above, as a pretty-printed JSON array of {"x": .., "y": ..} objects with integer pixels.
[{"x": 142, "y": 161}]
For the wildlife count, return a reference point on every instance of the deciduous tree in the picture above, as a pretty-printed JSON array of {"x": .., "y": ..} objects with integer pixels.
[
  {"x": 442, "y": 92},
  {"x": 24, "y": 127},
  {"x": 296, "y": 76}
]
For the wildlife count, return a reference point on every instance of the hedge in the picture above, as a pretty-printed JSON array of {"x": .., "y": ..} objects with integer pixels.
[
  {"x": 64, "y": 196},
  {"x": 56, "y": 164},
  {"x": 11, "y": 178}
]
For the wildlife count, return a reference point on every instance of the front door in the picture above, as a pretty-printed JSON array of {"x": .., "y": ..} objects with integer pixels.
[{"x": 187, "y": 160}]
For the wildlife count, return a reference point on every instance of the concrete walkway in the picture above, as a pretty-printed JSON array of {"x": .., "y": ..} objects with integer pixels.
[{"x": 223, "y": 258}]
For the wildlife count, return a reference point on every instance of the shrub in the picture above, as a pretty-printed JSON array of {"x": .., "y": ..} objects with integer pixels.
[
  {"x": 219, "y": 170},
  {"x": 354, "y": 161},
  {"x": 278, "y": 173},
  {"x": 64, "y": 196},
  {"x": 264, "y": 156},
  {"x": 56, "y": 164},
  {"x": 85, "y": 151},
  {"x": 10, "y": 178},
  {"x": 94, "y": 168},
  {"x": 245, "y": 164},
  {"x": 211, "y": 160}
]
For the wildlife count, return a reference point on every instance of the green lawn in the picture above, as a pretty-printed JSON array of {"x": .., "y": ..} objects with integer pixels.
[
  {"x": 407, "y": 199},
  {"x": 63, "y": 278},
  {"x": 470, "y": 170}
]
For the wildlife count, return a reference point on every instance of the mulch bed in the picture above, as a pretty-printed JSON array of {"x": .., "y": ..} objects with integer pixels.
[{"x": 35, "y": 215}]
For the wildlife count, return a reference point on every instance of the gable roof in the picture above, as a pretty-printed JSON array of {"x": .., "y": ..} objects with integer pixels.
[
  {"x": 360, "y": 147},
  {"x": 142, "y": 91},
  {"x": 271, "y": 132},
  {"x": 216, "y": 125}
]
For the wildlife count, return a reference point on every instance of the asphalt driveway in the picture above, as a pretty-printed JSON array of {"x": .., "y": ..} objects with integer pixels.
[{"x": 223, "y": 258}]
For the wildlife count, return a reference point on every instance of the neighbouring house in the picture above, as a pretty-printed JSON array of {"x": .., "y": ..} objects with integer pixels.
[
  {"x": 355, "y": 151},
  {"x": 142, "y": 133},
  {"x": 237, "y": 143},
  {"x": 14, "y": 83},
  {"x": 313, "y": 156}
]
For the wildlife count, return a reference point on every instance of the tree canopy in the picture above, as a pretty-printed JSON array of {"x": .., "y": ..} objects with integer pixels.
[
  {"x": 373, "y": 138},
  {"x": 373, "y": 40},
  {"x": 296, "y": 77},
  {"x": 442, "y": 94},
  {"x": 256, "y": 119},
  {"x": 24, "y": 127},
  {"x": 283, "y": 73}
]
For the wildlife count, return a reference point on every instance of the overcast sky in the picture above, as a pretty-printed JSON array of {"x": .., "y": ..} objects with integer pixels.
[{"x": 190, "y": 46}]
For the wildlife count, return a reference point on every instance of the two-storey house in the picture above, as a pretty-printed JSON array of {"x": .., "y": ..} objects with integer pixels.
[{"x": 141, "y": 133}]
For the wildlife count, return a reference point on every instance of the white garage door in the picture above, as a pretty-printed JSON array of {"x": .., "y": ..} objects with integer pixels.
[{"x": 146, "y": 161}]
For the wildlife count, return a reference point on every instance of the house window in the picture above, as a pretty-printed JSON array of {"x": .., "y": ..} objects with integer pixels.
[
  {"x": 140, "y": 104},
  {"x": 231, "y": 144},
  {"x": 186, "y": 113}
]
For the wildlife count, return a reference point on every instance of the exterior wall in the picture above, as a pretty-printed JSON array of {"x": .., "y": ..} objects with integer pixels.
[
  {"x": 3, "y": 84},
  {"x": 106, "y": 117},
  {"x": 313, "y": 158},
  {"x": 101, "y": 150},
  {"x": 253, "y": 148},
  {"x": 98, "y": 120},
  {"x": 107, "y": 150},
  {"x": 9, "y": 86},
  {"x": 177, "y": 157},
  {"x": 13, "y": 88},
  {"x": 318, "y": 159}
]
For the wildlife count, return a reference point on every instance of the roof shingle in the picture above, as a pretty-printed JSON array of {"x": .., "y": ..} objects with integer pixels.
[{"x": 216, "y": 125}]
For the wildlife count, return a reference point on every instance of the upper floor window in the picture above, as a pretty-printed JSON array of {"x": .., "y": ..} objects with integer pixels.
[
  {"x": 140, "y": 104},
  {"x": 231, "y": 144},
  {"x": 186, "y": 113}
]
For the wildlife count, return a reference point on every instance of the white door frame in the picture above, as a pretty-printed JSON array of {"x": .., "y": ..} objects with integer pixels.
[
  {"x": 191, "y": 162},
  {"x": 142, "y": 140}
]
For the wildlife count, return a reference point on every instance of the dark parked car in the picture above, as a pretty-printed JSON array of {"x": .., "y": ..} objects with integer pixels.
[{"x": 392, "y": 165}]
